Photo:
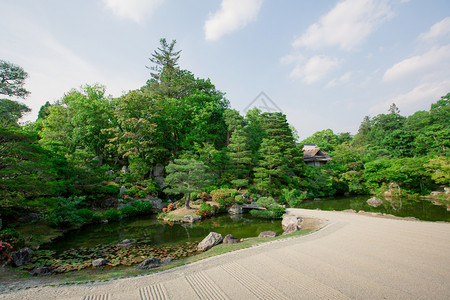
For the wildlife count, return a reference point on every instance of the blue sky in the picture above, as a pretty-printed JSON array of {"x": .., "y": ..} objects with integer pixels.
[{"x": 326, "y": 64}]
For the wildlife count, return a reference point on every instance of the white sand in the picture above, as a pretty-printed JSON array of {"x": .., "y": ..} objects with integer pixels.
[{"x": 355, "y": 256}]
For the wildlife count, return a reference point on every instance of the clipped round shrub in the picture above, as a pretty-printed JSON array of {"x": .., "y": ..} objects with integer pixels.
[
  {"x": 97, "y": 217},
  {"x": 112, "y": 215},
  {"x": 129, "y": 211},
  {"x": 85, "y": 213},
  {"x": 142, "y": 207},
  {"x": 239, "y": 199}
]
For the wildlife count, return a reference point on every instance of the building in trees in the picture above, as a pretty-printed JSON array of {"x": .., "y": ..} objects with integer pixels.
[{"x": 313, "y": 156}]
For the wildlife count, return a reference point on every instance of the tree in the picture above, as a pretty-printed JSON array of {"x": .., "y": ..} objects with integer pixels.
[
  {"x": 233, "y": 120},
  {"x": 271, "y": 165},
  {"x": 240, "y": 156},
  {"x": 12, "y": 79},
  {"x": 186, "y": 176},
  {"x": 11, "y": 111}
]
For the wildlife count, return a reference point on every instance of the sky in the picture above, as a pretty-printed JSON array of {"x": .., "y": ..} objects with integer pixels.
[{"x": 325, "y": 64}]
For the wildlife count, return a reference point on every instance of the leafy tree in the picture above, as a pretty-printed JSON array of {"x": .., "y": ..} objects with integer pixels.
[
  {"x": 12, "y": 79},
  {"x": 233, "y": 120},
  {"x": 271, "y": 165},
  {"x": 240, "y": 156},
  {"x": 186, "y": 176},
  {"x": 11, "y": 111}
]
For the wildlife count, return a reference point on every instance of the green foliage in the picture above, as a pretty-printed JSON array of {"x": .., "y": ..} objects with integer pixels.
[
  {"x": 129, "y": 211},
  {"x": 12, "y": 79},
  {"x": 97, "y": 217},
  {"x": 206, "y": 210},
  {"x": 11, "y": 111},
  {"x": 143, "y": 207},
  {"x": 274, "y": 213},
  {"x": 238, "y": 199},
  {"x": 66, "y": 214},
  {"x": 293, "y": 197},
  {"x": 85, "y": 213},
  {"x": 112, "y": 215},
  {"x": 224, "y": 196},
  {"x": 185, "y": 176}
]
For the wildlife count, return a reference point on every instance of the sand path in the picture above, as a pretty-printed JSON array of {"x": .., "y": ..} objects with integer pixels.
[{"x": 354, "y": 256}]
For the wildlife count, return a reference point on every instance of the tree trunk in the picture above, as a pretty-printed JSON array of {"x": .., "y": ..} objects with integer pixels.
[{"x": 188, "y": 201}]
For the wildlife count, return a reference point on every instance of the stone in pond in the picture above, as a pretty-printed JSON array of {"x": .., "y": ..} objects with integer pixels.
[
  {"x": 236, "y": 209},
  {"x": 149, "y": 263},
  {"x": 374, "y": 202},
  {"x": 126, "y": 242},
  {"x": 210, "y": 241},
  {"x": 230, "y": 239},
  {"x": 99, "y": 262},
  {"x": 267, "y": 234}
]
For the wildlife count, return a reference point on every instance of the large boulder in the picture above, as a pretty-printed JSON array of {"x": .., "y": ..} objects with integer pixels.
[
  {"x": 230, "y": 239},
  {"x": 265, "y": 234},
  {"x": 236, "y": 209},
  {"x": 149, "y": 263},
  {"x": 291, "y": 228},
  {"x": 99, "y": 262},
  {"x": 210, "y": 241},
  {"x": 21, "y": 257},
  {"x": 290, "y": 219},
  {"x": 122, "y": 190},
  {"x": 40, "y": 270},
  {"x": 374, "y": 202},
  {"x": 158, "y": 175}
]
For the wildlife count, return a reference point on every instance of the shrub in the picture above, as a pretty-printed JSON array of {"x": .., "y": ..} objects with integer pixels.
[
  {"x": 129, "y": 211},
  {"x": 65, "y": 214},
  {"x": 85, "y": 213},
  {"x": 143, "y": 207},
  {"x": 267, "y": 202},
  {"x": 206, "y": 210},
  {"x": 278, "y": 212},
  {"x": 239, "y": 183},
  {"x": 112, "y": 215},
  {"x": 204, "y": 196},
  {"x": 97, "y": 217},
  {"x": 239, "y": 199},
  {"x": 266, "y": 214},
  {"x": 293, "y": 197},
  {"x": 224, "y": 196}
]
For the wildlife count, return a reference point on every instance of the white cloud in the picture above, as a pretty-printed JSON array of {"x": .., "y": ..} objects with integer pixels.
[
  {"x": 347, "y": 25},
  {"x": 233, "y": 15},
  {"x": 421, "y": 97},
  {"x": 314, "y": 69},
  {"x": 135, "y": 10},
  {"x": 435, "y": 59},
  {"x": 439, "y": 29},
  {"x": 340, "y": 80}
]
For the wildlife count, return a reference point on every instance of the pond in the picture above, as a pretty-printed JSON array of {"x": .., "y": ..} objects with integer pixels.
[
  {"x": 158, "y": 233},
  {"x": 402, "y": 207}
]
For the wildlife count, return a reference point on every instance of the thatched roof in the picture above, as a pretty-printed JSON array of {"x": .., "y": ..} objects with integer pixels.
[{"x": 311, "y": 153}]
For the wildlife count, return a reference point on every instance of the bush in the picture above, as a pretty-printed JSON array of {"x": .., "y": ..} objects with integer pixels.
[
  {"x": 143, "y": 207},
  {"x": 97, "y": 217},
  {"x": 85, "y": 214},
  {"x": 239, "y": 199},
  {"x": 129, "y": 211},
  {"x": 293, "y": 197},
  {"x": 224, "y": 196},
  {"x": 206, "y": 210},
  {"x": 267, "y": 202},
  {"x": 65, "y": 214},
  {"x": 275, "y": 213},
  {"x": 112, "y": 215}
]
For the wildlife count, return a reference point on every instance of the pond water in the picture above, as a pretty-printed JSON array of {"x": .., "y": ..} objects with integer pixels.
[
  {"x": 402, "y": 207},
  {"x": 155, "y": 232}
]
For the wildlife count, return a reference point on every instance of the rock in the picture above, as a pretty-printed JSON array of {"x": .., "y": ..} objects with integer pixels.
[
  {"x": 350, "y": 210},
  {"x": 39, "y": 270},
  {"x": 110, "y": 173},
  {"x": 125, "y": 170},
  {"x": 124, "y": 243},
  {"x": 210, "y": 241},
  {"x": 122, "y": 205},
  {"x": 291, "y": 228},
  {"x": 149, "y": 263},
  {"x": 374, "y": 202},
  {"x": 99, "y": 262},
  {"x": 118, "y": 179},
  {"x": 156, "y": 203},
  {"x": 290, "y": 219},
  {"x": 230, "y": 239},
  {"x": 236, "y": 209},
  {"x": 267, "y": 234},
  {"x": 187, "y": 219},
  {"x": 317, "y": 199},
  {"x": 122, "y": 190},
  {"x": 98, "y": 159},
  {"x": 447, "y": 190},
  {"x": 166, "y": 260},
  {"x": 27, "y": 218},
  {"x": 435, "y": 193},
  {"x": 21, "y": 257},
  {"x": 158, "y": 175}
]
